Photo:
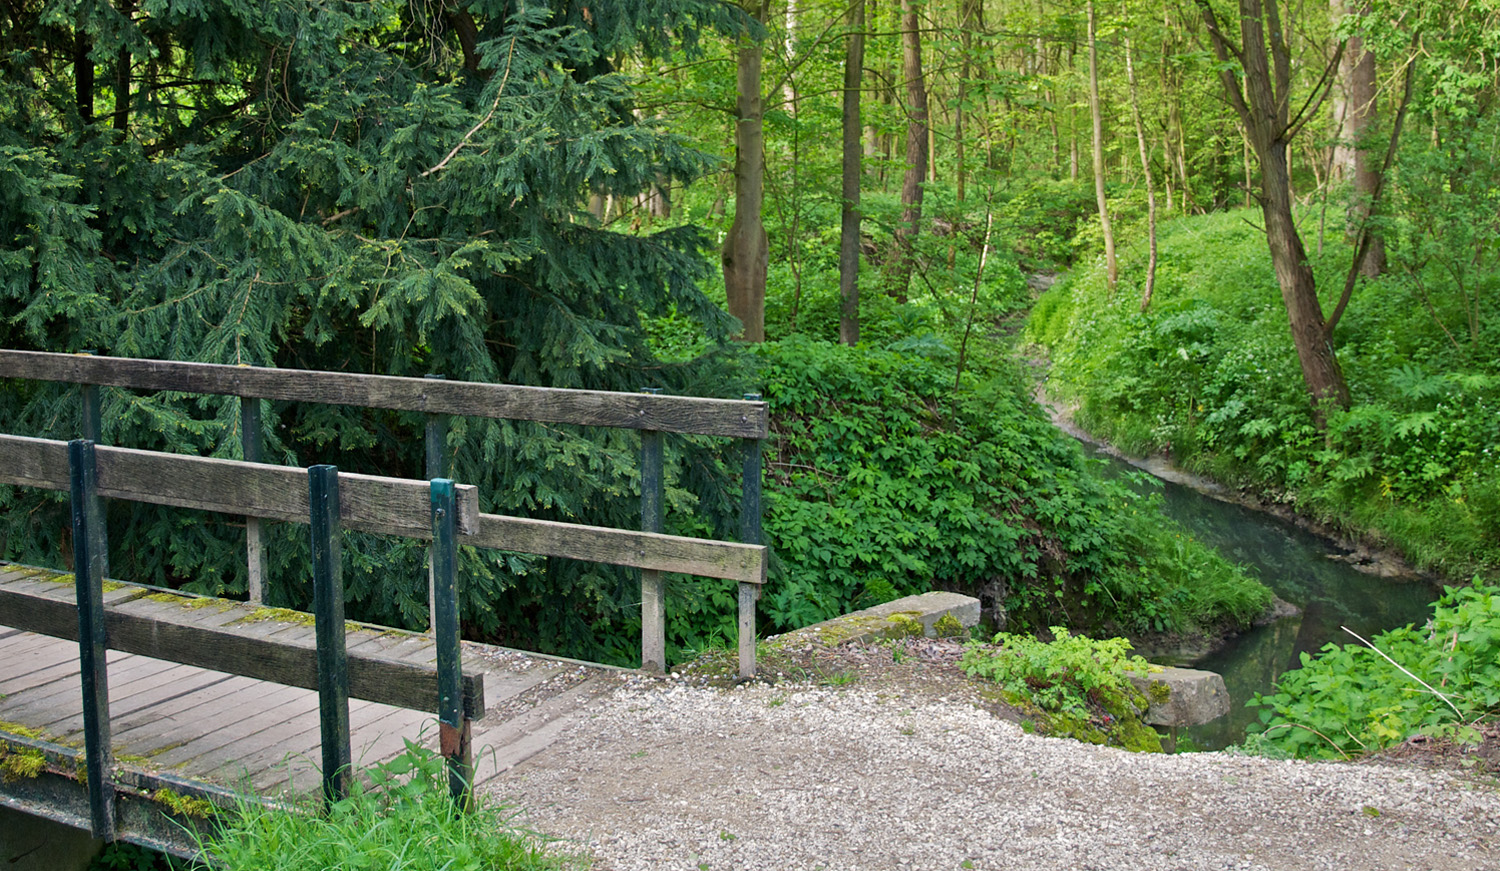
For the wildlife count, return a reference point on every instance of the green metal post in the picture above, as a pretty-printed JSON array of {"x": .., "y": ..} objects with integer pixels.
[
  {"x": 453, "y": 725},
  {"x": 653, "y": 587},
  {"x": 328, "y": 611},
  {"x": 88, "y": 544}
]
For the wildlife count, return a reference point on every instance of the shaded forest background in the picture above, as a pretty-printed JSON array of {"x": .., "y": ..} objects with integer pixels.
[{"x": 1279, "y": 220}]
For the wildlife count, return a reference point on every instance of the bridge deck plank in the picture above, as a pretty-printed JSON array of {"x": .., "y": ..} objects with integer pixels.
[{"x": 244, "y": 733}]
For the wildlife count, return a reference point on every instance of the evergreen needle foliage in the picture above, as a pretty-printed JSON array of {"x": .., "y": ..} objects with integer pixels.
[{"x": 383, "y": 187}]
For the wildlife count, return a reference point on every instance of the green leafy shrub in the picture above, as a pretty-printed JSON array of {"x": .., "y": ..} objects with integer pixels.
[
  {"x": 1076, "y": 684},
  {"x": 886, "y": 480},
  {"x": 402, "y": 819},
  {"x": 1351, "y": 699},
  {"x": 1209, "y": 375}
]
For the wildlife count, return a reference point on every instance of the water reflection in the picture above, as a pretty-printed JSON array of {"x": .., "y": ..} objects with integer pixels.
[{"x": 1296, "y": 565}]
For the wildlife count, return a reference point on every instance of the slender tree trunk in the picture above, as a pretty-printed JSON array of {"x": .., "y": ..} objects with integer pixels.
[
  {"x": 1261, "y": 99},
  {"x": 1299, "y": 294},
  {"x": 1249, "y": 169},
  {"x": 854, "y": 61},
  {"x": 1111, "y": 265},
  {"x": 83, "y": 75},
  {"x": 1338, "y": 103},
  {"x": 746, "y": 250},
  {"x": 916, "y": 148},
  {"x": 1362, "y": 121},
  {"x": 1072, "y": 120},
  {"x": 122, "y": 77},
  {"x": 1140, "y": 139}
]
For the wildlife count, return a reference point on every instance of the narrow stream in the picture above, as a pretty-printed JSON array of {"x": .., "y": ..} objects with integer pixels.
[{"x": 1299, "y": 567}]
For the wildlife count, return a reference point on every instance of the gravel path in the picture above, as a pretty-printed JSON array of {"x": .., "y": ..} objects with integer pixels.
[{"x": 667, "y": 776}]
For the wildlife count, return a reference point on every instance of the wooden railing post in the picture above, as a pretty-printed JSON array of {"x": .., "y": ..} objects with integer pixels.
[
  {"x": 88, "y": 547},
  {"x": 435, "y": 466},
  {"x": 454, "y": 723},
  {"x": 653, "y": 587},
  {"x": 750, "y": 533},
  {"x": 328, "y": 612},
  {"x": 250, "y": 449},
  {"x": 92, "y": 429}
]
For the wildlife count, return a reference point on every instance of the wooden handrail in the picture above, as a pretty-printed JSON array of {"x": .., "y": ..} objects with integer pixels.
[
  {"x": 681, "y": 414},
  {"x": 368, "y": 503}
]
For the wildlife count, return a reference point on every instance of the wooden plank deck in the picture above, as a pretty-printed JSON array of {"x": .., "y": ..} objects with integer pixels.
[{"x": 209, "y": 727}]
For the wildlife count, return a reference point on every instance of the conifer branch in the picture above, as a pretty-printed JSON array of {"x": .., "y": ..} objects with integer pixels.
[{"x": 442, "y": 164}]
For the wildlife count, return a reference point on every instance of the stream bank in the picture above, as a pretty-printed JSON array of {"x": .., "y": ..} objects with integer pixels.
[{"x": 1333, "y": 583}]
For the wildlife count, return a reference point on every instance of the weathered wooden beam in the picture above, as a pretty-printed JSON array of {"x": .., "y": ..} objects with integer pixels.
[
  {"x": 394, "y": 506},
  {"x": 750, "y": 533},
  {"x": 623, "y": 547},
  {"x": 173, "y": 631},
  {"x": 722, "y": 417},
  {"x": 653, "y": 586},
  {"x": 250, "y": 450}
]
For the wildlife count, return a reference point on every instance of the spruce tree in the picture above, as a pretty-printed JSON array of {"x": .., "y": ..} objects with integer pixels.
[{"x": 381, "y": 187}]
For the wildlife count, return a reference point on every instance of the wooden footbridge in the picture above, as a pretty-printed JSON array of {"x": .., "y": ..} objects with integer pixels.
[{"x": 132, "y": 711}]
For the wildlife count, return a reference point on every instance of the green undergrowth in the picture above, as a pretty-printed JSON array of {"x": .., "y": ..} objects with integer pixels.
[
  {"x": 889, "y": 475},
  {"x": 1441, "y": 679},
  {"x": 402, "y": 819},
  {"x": 1209, "y": 375},
  {"x": 1072, "y": 686}
]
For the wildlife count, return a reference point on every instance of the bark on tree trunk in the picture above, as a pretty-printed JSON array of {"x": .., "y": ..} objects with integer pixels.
[
  {"x": 1140, "y": 139},
  {"x": 746, "y": 250},
  {"x": 1111, "y": 265},
  {"x": 1362, "y": 119},
  {"x": 83, "y": 76},
  {"x": 916, "y": 149},
  {"x": 1299, "y": 293},
  {"x": 854, "y": 61},
  {"x": 1263, "y": 105}
]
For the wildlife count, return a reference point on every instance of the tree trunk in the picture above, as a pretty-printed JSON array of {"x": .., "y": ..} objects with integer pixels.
[
  {"x": 746, "y": 250},
  {"x": 1111, "y": 265},
  {"x": 854, "y": 61},
  {"x": 1338, "y": 104},
  {"x": 1263, "y": 105},
  {"x": 1140, "y": 139},
  {"x": 1299, "y": 293},
  {"x": 122, "y": 76},
  {"x": 1362, "y": 120},
  {"x": 83, "y": 75},
  {"x": 916, "y": 149}
]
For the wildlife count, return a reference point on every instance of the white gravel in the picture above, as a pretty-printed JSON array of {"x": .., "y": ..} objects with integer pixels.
[{"x": 666, "y": 776}]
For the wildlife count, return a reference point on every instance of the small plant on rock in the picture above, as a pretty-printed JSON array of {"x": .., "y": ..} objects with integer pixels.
[{"x": 1076, "y": 686}]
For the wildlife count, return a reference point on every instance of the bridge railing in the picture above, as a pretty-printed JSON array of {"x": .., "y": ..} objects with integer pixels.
[
  {"x": 436, "y": 510},
  {"x": 745, "y": 421}
]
